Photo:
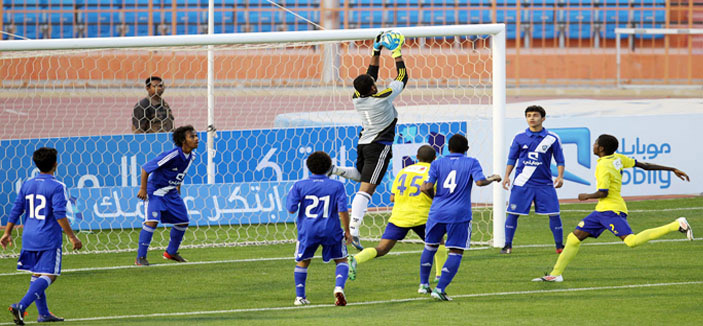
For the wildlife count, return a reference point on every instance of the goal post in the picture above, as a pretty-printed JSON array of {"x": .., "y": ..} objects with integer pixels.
[{"x": 264, "y": 101}]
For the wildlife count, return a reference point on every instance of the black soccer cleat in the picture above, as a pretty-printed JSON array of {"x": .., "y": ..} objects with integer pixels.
[
  {"x": 48, "y": 318},
  {"x": 175, "y": 257},
  {"x": 17, "y": 314},
  {"x": 141, "y": 261},
  {"x": 506, "y": 250}
]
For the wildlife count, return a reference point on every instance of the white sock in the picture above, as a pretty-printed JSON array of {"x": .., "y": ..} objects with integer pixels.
[
  {"x": 360, "y": 204},
  {"x": 350, "y": 173}
]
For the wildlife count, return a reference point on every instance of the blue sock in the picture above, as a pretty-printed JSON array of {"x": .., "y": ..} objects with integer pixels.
[
  {"x": 341, "y": 273},
  {"x": 36, "y": 289},
  {"x": 40, "y": 302},
  {"x": 426, "y": 263},
  {"x": 145, "y": 240},
  {"x": 449, "y": 270},
  {"x": 510, "y": 227},
  {"x": 557, "y": 230},
  {"x": 300, "y": 274},
  {"x": 177, "y": 232}
]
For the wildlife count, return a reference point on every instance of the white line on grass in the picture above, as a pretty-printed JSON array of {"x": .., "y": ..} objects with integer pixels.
[
  {"x": 423, "y": 298},
  {"x": 234, "y": 261},
  {"x": 639, "y": 210}
]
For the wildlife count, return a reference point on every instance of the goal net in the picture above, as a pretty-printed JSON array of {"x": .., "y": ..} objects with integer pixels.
[{"x": 274, "y": 99}]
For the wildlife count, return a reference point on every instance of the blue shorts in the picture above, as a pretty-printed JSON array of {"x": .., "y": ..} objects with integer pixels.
[
  {"x": 40, "y": 262},
  {"x": 167, "y": 209},
  {"x": 306, "y": 250},
  {"x": 394, "y": 232},
  {"x": 596, "y": 222},
  {"x": 545, "y": 199},
  {"x": 458, "y": 234}
]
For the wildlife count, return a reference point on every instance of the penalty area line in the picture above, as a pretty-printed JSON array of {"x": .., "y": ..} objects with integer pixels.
[{"x": 423, "y": 298}]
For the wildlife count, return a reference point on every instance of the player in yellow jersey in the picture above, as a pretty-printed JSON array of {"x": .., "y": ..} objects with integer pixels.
[
  {"x": 611, "y": 210},
  {"x": 410, "y": 210}
]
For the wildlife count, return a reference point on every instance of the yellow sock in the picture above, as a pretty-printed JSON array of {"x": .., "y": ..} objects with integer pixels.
[
  {"x": 440, "y": 258},
  {"x": 634, "y": 240},
  {"x": 570, "y": 250},
  {"x": 366, "y": 255}
]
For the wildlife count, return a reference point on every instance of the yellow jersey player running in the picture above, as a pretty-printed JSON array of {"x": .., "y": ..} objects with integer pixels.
[
  {"x": 410, "y": 210},
  {"x": 611, "y": 211}
]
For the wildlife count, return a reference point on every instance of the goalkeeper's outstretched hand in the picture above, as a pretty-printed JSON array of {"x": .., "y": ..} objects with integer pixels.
[
  {"x": 377, "y": 45},
  {"x": 393, "y": 41}
]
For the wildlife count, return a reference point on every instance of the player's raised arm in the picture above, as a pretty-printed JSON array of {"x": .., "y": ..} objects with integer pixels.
[
  {"x": 394, "y": 41},
  {"x": 649, "y": 166}
]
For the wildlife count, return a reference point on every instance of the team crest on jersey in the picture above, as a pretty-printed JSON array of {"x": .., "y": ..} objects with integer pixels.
[
  {"x": 513, "y": 206},
  {"x": 581, "y": 224},
  {"x": 544, "y": 147},
  {"x": 154, "y": 214}
]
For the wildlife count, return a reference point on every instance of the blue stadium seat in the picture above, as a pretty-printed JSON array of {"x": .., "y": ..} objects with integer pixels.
[
  {"x": 407, "y": 18},
  {"x": 613, "y": 16},
  {"x": 190, "y": 29},
  {"x": 187, "y": 17},
  {"x": 26, "y": 18},
  {"x": 610, "y": 30},
  {"x": 226, "y": 17},
  {"x": 578, "y": 16},
  {"x": 618, "y": 3},
  {"x": 137, "y": 23},
  {"x": 511, "y": 31},
  {"x": 309, "y": 15},
  {"x": 542, "y": 16},
  {"x": 576, "y": 3},
  {"x": 29, "y": 31},
  {"x": 404, "y": 3},
  {"x": 366, "y": 17},
  {"x": 543, "y": 31},
  {"x": 649, "y": 16},
  {"x": 366, "y": 3},
  {"x": 263, "y": 17},
  {"x": 509, "y": 16},
  {"x": 544, "y": 3},
  {"x": 65, "y": 31},
  {"x": 579, "y": 31},
  {"x": 474, "y": 16},
  {"x": 100, "y": 3},
  {"x": 60, "y": 18},
  {"x": 506, "y": 3},
  {"x": 165, "y": 17},
  {"x": 649, "y": 3},
  {"x": 439, "y": 17}
]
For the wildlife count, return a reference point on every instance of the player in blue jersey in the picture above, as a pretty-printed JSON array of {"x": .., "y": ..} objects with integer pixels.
[
  {"x": 611, "y": 211},
  {"x": 44, "y": 199},
  {"x": 161, "y": 188},
  {"x": 533, "y": 150},
  {"x": 320, "y": 204},
  {"x": 450, "y": 212}
]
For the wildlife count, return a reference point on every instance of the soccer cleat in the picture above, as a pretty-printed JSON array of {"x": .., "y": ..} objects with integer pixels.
[
  {"x": 549, "y": 278},
  {"x": 424, "y": 289},
  {"x": 352, "y": 268},
  {"x": 339, "y": 298},
  {"x": 141, "y": 261},
  {"x": 17, "y": 314},
  {"x": 684, "y": 227},
  {"x": 48, "y": 318},
  {"x": 300, "y": 301},
  {"x": 559, "y": 250},
  {"x": 506, "y": 250},
  {"x": 440, "y": 295},
  {"x": 175, "y": 257},
  {"x": 356, "y": 242}
]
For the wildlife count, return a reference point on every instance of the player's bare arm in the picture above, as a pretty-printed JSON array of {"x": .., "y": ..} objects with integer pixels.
[
  {"x": 142, "y": 190},
  {"x": 344, "y": 218},
  {"x": 489, "y": 180},
  {"x": 649, "y": 166},
  {"x": 559, "y": 181},
  {"x": 596, "y": 195},
  {"x": 506, "y": 182},
  {"x": 6, "y": 239},
  {"x": 428, "y": 189},
  {"x": 66, "y": 226}
]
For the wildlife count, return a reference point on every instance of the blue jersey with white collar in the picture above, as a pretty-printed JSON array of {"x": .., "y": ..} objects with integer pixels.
[
  {"x": 533, "y": 151},
  {"x": 166, "y": 171},
  {"x": 454, "y": 175},
  {"x": 44, "y": 200},
  {"x": 318, "y": 200}
]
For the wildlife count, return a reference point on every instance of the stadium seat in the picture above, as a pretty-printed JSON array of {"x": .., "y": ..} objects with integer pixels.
[
  {"x": 613, "y": 16},
  {"x": 619, "y": 3},
  {"x": 374, "y": 17},
  {"x": 165, "y": 17},
  {"x": 65, "y": 31},
  {"x": 474, "y": 16},
  {"x": 650, "y": 37},
  {"x": 610, "y": 30},
  {"x": 578, "y": 16},
  {"x": 136, "y": 23},
  {"x": 366, "y": 3},
  {"x": 187, "y": 17},
  {"x": 309, "y": 15},
  {"x": 649, "y": 16},
  {"x": 407, "y": 17},
  {"x": 543, "y": 31},
  {"x": 60, "y": 18},
  {"x": 544, "y": 3},
  {"x": 542, "y": 16},
  {"x": 579, "y": 31},
  {"x": 29, "y": 31},
  {"x": 509, "y": 16},
  {"x": 260, "y": 17},
  {"x": 439, "y": 17},
  {"x": 29, "y": 18},
  {"x": 403, "y": 3}
]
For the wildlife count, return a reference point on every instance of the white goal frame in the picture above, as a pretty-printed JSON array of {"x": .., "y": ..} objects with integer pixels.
[{"x": 498, "y": 73}]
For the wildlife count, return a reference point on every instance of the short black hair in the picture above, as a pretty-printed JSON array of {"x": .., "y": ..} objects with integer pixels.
[
  {"x": 152, "y": 78},
  {"x": 426, "y": 154},
  {"x": 319, "y": 162},
  {"x": 458, "y": 144},
  {"x": 179, "y": 135},
  {"x": 536, "y": 108},
  {"x": 609, "y": 143},
  {"x": 45, "y": 158},
  {"x": 363, "y": 84}
]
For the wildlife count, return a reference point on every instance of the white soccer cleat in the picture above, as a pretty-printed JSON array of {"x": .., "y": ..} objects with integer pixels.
[
  {"x": 684, "y": 227},
  {"x": 300, "y": 301},
  {"x": 440, "y": 295},
  {"x": 424, "y": 289},
  {"x": 339, "y": 298},
  {"x": 549, "y": 278}
]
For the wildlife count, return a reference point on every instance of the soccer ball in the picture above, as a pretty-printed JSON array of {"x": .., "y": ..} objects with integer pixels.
[{"x": 392, "y": 40}]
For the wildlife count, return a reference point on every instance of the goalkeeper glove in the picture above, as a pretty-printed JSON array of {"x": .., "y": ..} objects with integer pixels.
[
  {"x": 393, "y": 41},
  {"x": 377, "y": 46}
]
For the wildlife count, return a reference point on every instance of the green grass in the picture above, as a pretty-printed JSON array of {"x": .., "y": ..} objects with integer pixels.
[{"x": 484, "y": 274}]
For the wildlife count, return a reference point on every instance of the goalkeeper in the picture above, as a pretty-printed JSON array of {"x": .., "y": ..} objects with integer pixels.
[{"x": 378, "y": 120}]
